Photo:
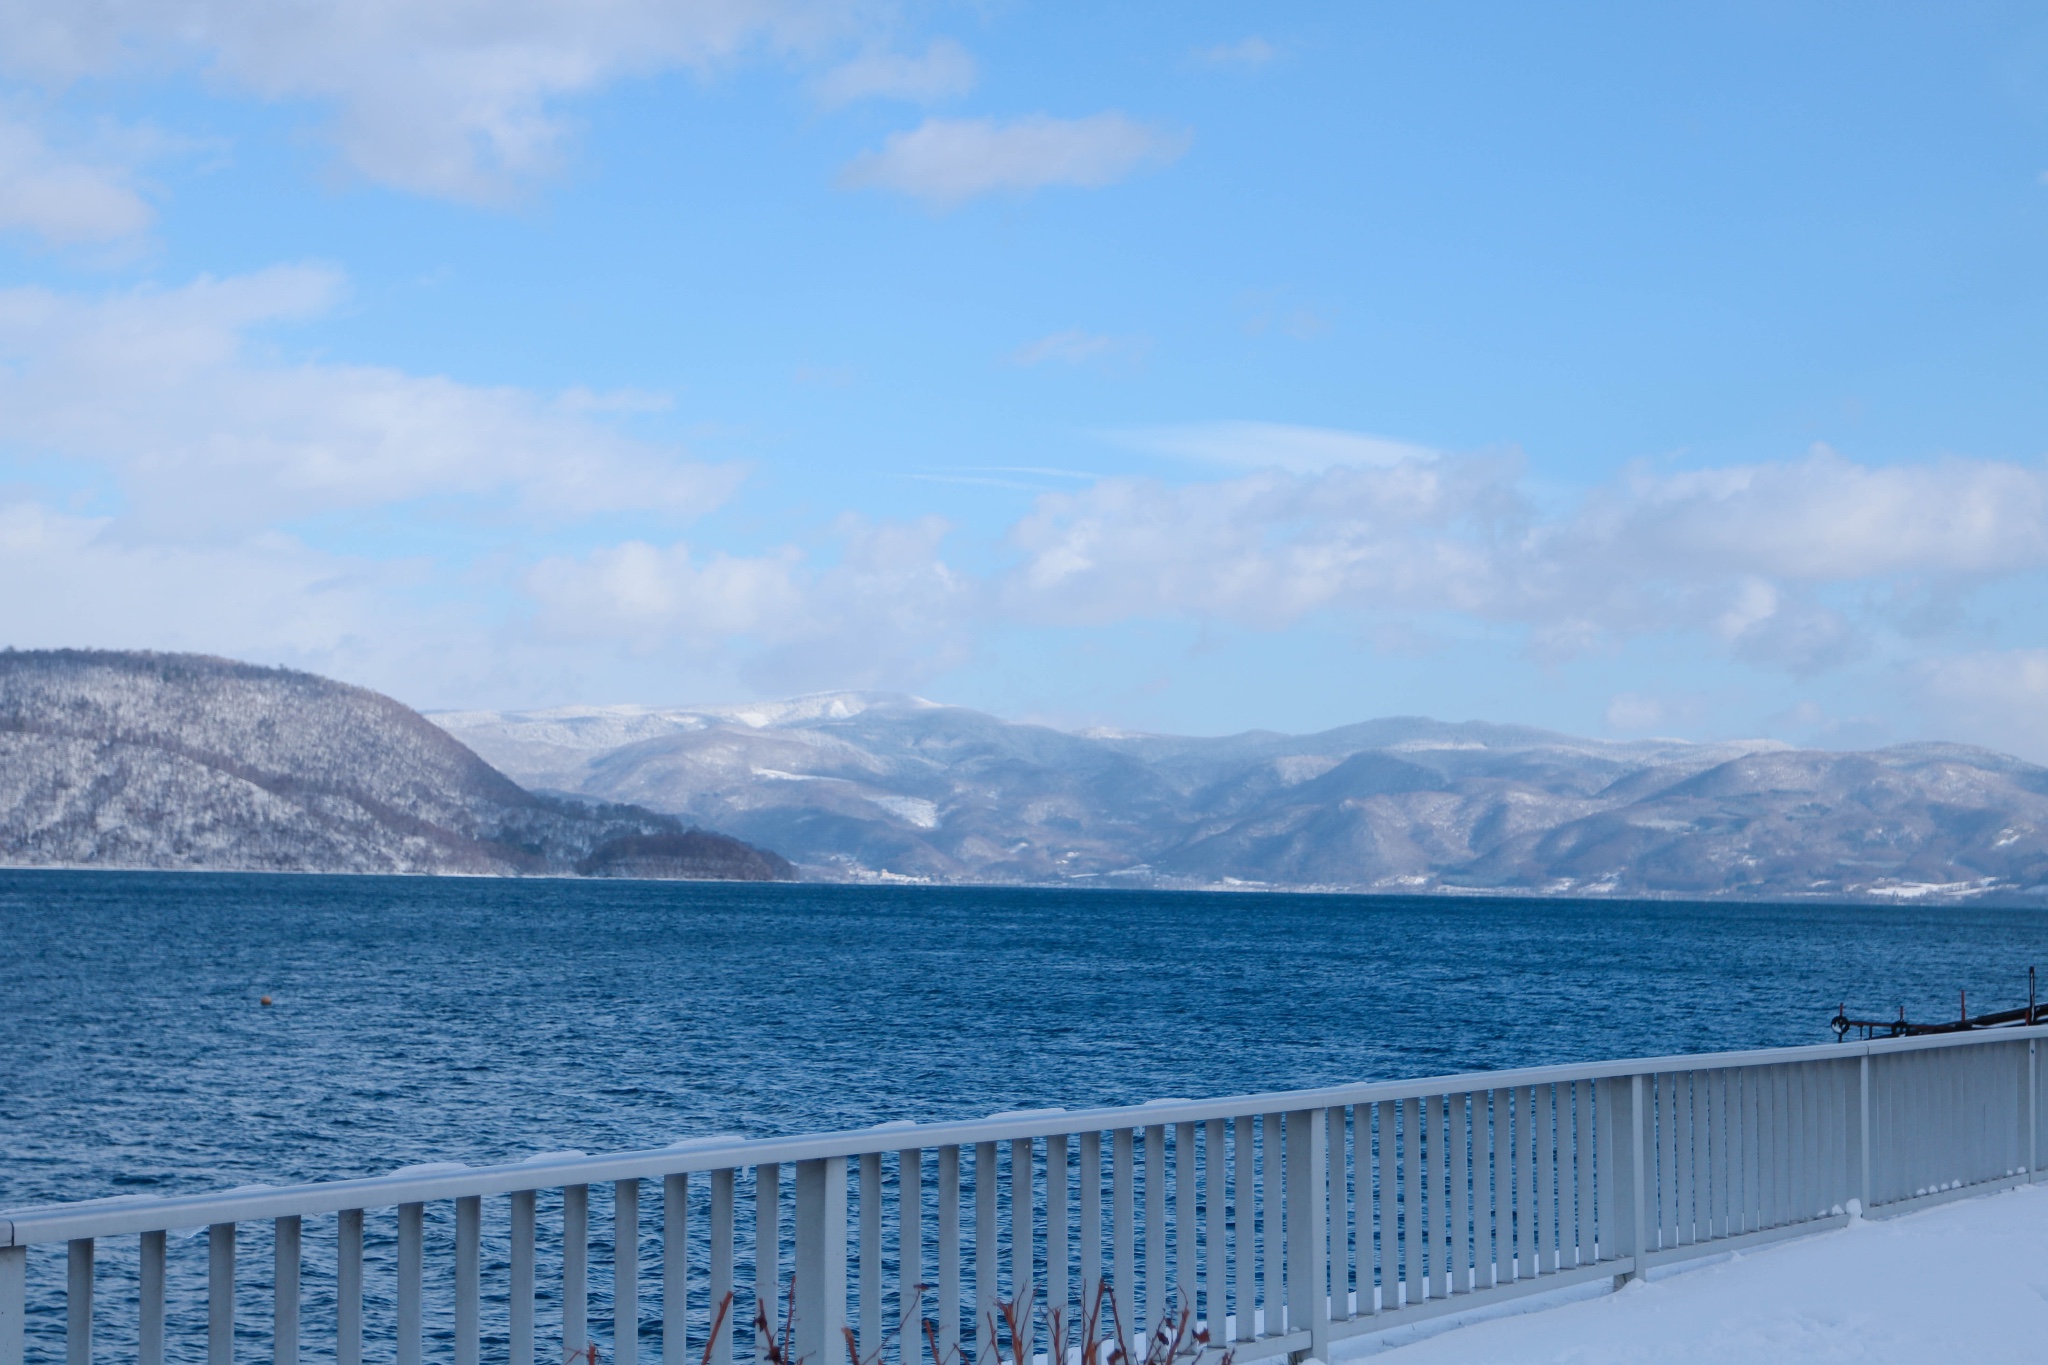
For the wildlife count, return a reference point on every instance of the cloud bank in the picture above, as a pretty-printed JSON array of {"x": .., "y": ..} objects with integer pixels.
[
  {"x": 946, "y": 162},
  {"x": 456, "y": 98},
  {"x": 204, "y": 433}
]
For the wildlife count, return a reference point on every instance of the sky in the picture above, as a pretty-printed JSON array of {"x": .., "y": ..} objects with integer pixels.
[{"x": 1628, "y": 370}]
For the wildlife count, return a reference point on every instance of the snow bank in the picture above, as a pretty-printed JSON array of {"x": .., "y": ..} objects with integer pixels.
[{"x": 1965, "y": 1282}]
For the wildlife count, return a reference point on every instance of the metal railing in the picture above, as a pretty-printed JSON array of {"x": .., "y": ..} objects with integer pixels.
[{"x": 1281, "y": 1221}]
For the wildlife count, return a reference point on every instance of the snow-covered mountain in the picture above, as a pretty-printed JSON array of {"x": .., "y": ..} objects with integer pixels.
[
  {"x": 866, "y": 786},
  {"x": 184, "y": 761}
]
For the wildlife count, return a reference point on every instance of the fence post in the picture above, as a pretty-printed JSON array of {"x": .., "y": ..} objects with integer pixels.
[
  {"x": 13, "y": 1303},
  {"x": 2033, "y": 1110},
  {"x": 1308, "y": 1297},
  {"x": 1863, "y": 1099},
  {"x": 818, "y": 1285},
  {"x": 1631, "y": 1178}
]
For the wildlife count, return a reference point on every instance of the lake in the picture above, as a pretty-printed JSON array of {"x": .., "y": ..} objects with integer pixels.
[{"x": 483, "y": 1020}]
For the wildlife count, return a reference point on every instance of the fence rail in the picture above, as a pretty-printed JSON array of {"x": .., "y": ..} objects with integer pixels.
[{"x": 1280, "y": 1222}]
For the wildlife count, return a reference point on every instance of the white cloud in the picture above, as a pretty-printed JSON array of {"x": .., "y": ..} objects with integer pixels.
[
  {"x": 267, "y": 596},
  {"x": 1997, "y": 698},
  {"x": 1271, "y": 445},
  {"x": 1665, "y": 713},
  {"x": 1264, "y": 549},
  {"x": 1745, "y": 557},
  {"x": 1252, "y": 51},
  {"x": 1076, "y": 347},
  {"x": 946, "y": 162},
  {"x": 945, "y": 71},
  {"x": 446, "y": 97},
  {"x": 886, "y": 610},
  {"x": 1827, "y": 519},
  {"x": 206, "y": 433},
  {"x": 65, "y": 198}
]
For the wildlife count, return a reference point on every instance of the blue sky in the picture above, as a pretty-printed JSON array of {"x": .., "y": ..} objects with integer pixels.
[{"x": 1620, "y": 369}]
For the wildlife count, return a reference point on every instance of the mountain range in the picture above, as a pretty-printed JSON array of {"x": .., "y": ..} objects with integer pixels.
[
  {"x": 112, "y": 759},
  {"x": 861, "y": 786}
]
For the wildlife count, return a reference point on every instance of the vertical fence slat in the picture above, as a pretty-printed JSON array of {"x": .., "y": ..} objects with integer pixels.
[
  {"x": 2033, "y": 1107},
  {"x": 869, "y": 1269},
  {"x": 1437, "y": 1112},
  {"x": 1088, "y": 1211},
  {"x": 910, "y": 1255},
  {"x": 14, "y": 1304},
  {"x": 149, "y": 1334},
  {"x": 348, "y": 1290},
  {"x": 767, "y": 1254},
  {"x": 1706, "y": 1156},
  {"x": 1023, "y": 1237},
  {"x": 1334, "y": 1215},
  {"x": 1501, "y": 1140},
  {"x": 949, "y": 1253},
  {"x": 1123, "y": 1232},
  {"x": 1271, "y": 1270},
  {"x": 520, "y": 1308},
  {"x": 1540, "y": 1181},
  {"x": 1547, "y": 1220},
  {"x": 220, "y": 1294},
  {"x": 1637, "y": 1148},
  {"x": 724, "y": 1239},
  {"x": 1308, "y": 1306},
  {"x": 626, "y": 1272},
  {"x": 1215, "y": 1210},
  {"x": 1685, "y": 1113},
  {"x": 1414, "y": 1217},
  {"x": 575, "y": 1272},
  {"x": 1752, "y": 1177},
  {"x": 469, "y": 1219},
  {"x": 1375, "y": 1210},
  {"x": 1153, "y": 1297},
  {"x": 284, "y": 1314},
  {"x": 1582, "y": 1166},
  {"x": 411, "y": 1274},
  {"x": 1244, "y": 1210},
  {"x": 1606, "y": 1220},
  {"x": 1667, "y": 1159},
  {"x": 986, "y": 1283},
  {"x": 817, "y": 1288},
  {"x": 1771, "y": 1144},
  {"x": 78, "y": 1259},
  {"x": 1059, "y": 1314},
  {"x": 1182, "y": 1231},
  {"x": 675, "y": 1269},
  {"x": 1799, "y": 1166},
  {"x": 1460, "y": 1155}
]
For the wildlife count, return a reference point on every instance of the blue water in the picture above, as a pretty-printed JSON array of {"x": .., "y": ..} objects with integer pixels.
[{"x": 483, "y": 1020}]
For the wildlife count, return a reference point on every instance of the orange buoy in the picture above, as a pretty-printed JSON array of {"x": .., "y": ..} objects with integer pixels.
[{"x": 265, "y": 1000}]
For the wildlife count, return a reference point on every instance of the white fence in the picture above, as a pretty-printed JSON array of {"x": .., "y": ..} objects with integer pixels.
[{"x": 1282, "y": 1221}]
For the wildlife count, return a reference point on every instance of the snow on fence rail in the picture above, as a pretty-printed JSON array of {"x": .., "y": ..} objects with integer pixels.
[{"x": 1284, "y": 1221}]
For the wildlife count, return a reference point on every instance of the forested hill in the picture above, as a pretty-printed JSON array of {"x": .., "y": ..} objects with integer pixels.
[
  {"x": 862, "y": 785},
  {"x": 140, "y": 760}
]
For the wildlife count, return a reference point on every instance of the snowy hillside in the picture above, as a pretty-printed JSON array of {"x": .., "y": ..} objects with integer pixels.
[
  {"x": 864, "y": 785},
  {"x": 183, "y": 761}
]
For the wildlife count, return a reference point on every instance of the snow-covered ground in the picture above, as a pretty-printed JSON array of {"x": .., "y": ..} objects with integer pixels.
[{"x": 1961, "y": 1284}]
